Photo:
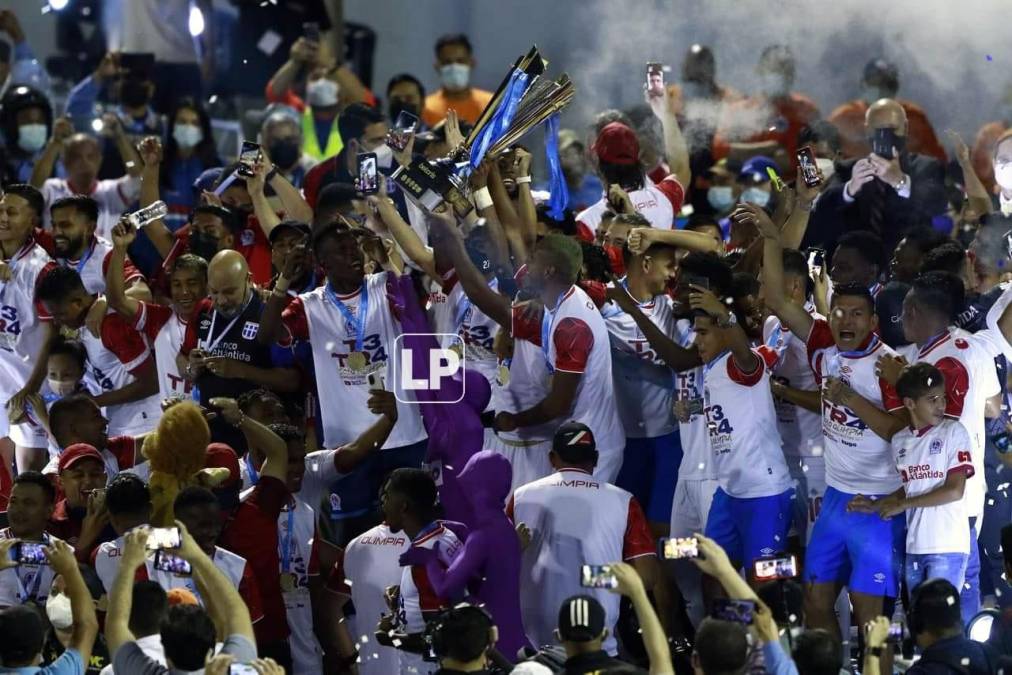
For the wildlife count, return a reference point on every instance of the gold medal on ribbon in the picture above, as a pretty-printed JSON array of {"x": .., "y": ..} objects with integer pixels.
[
  {"x": 357, "y": 361},
  {"x": 288, "y": 582},
  {"x": 504, "y": 375}
]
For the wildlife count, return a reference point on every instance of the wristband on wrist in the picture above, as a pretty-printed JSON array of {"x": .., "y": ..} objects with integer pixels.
[
  {"x": 242, "y": 419},
  {"x": 523, "y": 179},
  {"x": 875, "y": 651},
  {"x": 482, "y": 199}
]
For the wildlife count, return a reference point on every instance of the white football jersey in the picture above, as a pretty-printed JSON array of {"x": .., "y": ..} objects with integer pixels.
[
  {"x": 657, "y": 202},
  {"x": 25, "y": 583},
  {"x": 114, "y": 196},
  {"x": 92, "y": 265},
  {"x": 697, "y": 460},
  {"x": 858, "y": 461},
  {"x": 297, "y": 529},
  {"x": 522, "y": 383},
  {"x": 800, "y": 429},
  {"x": 476, "y": 329},
  {"x": 924, "y": 459},
  {"x": 168, "y": 340},
  {"x": 644, "y": 385},
  {"x": 343, "y": 392},
  {"x": 416, "y": 594},
  {"x": 741, "y": 420},
  {"x": 21, "y": 328}
]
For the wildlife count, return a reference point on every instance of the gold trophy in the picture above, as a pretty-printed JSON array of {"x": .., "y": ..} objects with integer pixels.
[{"x": 526, "y": 94}]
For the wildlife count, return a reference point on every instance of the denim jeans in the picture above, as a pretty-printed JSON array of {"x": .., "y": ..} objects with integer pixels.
[{"x": 920, "y": 567}]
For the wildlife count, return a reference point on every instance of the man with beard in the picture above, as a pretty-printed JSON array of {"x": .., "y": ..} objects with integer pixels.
[{"x": 220, "y": 351}]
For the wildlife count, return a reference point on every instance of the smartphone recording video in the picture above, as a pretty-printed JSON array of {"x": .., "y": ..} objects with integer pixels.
[
  {"x": 311, "y": 31},
  {"x": 769, "y": 569},
  {"x": 883, "y": 141},
  {"x": 368, "y": 173},
  {"x": 655, "y": 79},
  {"x": 163, "y": 537},
  {"x": 895, "y": 632},
  {"x": 31, "y": 553},
  {"x": 809, "y": 169},
  {"x": 816, "y": 259},
  {"x": 739, "y": 611},
  {"x": 248, "y": 157},
  {"x": 678, "y": 548},
  {"x": 173, "y": 564},
  {"x": 242, "y": 669},
  {"x": 404, "y": 127},
  {"x": 597, "y": 576}
]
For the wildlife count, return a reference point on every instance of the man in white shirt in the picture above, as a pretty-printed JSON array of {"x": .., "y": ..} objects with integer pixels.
[{"x": 147, "y": 611}]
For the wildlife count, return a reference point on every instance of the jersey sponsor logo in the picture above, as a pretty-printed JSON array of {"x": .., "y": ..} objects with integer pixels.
[
  {"x": 205, "y": 323},
  {"x": 936, "y": 447},
  {"x": 879, "y": 577},
  {"x": 920, "y": 472},
  {"x": 249, "y": 330},
  {"x": 767, "y": 551},
  {"x": 578, "y": 483},
  {"x": 383, "y": 541}
]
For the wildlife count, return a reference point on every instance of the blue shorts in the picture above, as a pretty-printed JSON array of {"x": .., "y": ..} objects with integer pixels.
[
  {"x": 358, "y": 492},
  {"x": 750, "y": 527},
  {"x": 859, "y": 550},
  {"x": 650, "y": 472}
]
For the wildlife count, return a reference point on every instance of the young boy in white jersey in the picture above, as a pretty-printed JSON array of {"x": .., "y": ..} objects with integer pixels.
[
  {"x": 933, "y": 458},
  {"x": 751, "y": 511}
]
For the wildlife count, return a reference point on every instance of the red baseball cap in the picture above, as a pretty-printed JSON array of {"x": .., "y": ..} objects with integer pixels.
[
  {"x": 617, "y": 144},
  {"x": 73, "y": 454},
  {"x": 223, "y": 456}
]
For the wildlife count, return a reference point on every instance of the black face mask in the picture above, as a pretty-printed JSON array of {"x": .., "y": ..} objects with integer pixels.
[
  {"x": 203, "y": 245},
  {"x": 133, "y": 93},
  {"x": 397, "y": 106},
  {"x": 285, "y": 153}
]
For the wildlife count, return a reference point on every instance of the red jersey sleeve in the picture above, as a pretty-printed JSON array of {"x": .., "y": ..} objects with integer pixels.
[
  {"x": 190, "y": 337},
  {"x": 288, "y": 98},
  {"x": 250, "y": 593},
  {"x": 573, "y": 342},
  {"x": 674, "y": 191},
  {"x": 40, "y": 308},
  {"x": 130, "y": 272},
  {"x": 584, "y": 233},
  {"x": 128, "y": 345},
  {"x": 151, "y": 318},
  {"x": 596, "y": 291},
  {"x": 957, "y": 384},
  {"x": 637, "y": 541},
  {"x": 269, "y": 496},
  {"x": 890, "y": 399},
  {"x": 124, "y": 449},
  {"x": 336, "y": 583},
  {"x": 510, "y": 505},
  {"x": 767, "y": 359},
  {"x": 820, "y": 337},
  {"x": 526, "y": 327},
  {"x": 294, "y": 319}
]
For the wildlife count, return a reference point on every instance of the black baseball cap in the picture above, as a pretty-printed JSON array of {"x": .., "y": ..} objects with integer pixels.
[
  {"x": 289, "y": 226},
  {"x": 581, "y": 619},
  {"x": 574, "y": 442}
]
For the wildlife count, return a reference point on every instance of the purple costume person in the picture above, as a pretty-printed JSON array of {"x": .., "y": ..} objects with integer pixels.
[
  {"x": 489, "y": 564},
  {"x": 455, "y": 429}
]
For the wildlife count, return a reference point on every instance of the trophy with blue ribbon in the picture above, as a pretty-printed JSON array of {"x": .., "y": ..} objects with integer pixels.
[{"x": 525, "y": 99}]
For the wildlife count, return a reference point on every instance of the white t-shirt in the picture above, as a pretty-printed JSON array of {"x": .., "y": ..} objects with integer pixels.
[
  {"x": 967, "y": 363},
  {"x": 578, "y": 342},
  {"x": 924, "y": 459},
  {"x": 657, "y": 202},
  {"x": 800, "y": 429},
  {"x": 343, "y": 392},
  {"x": 858, "y": 461},
  {"x": 644, "y": 385},
  {"x": 21, "y": 318},
  {"x": 370, "y": 565},
  {"x": 113, "y": 195},
  {"x": 697, "y": 460},
  {"x": 742, "y": 425},
  {"x": 575, "y": 519}
]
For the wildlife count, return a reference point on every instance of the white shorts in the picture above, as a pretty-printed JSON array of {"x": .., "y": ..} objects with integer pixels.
[
  {"x": 529, "y": 462},
  {"x": 691, "y": 505},
  {"x": 809, "y": 476}
]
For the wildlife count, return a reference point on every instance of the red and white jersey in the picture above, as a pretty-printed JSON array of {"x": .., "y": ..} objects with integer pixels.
[
  {"x": 742, "y": 423},
  {"x": 108, "y": 555},
  {"x": 522, "y": 382},
  {"x": 114, "y": 196},
  {"x": 578, "y": 342},
  {"x": 370, "y": 564},
  {"x": 657, "y": 202},
  {"x": 93, "y": 265},
  {"x": 343, "y": 392},
  {"x": 697, "y": 460},
  {"x": 297, "y": 529},
  {"x": 557, "y": 509},
  {"x": 21, "y": 318},
  {"x": 644, "y": 385},
  {"x": 475, "y": 328},
  {"x": 417, "y": 595},
  {"x": 119, "y": 455},
  {"x": 320, "y": 473},
  {"x": 165, "y": 329},
  {"x": 25, "y": 583},
  {"x": 858, "y": 461},
  {"x": 800, "y": 429},
  {"x": 964, "y": 359},
  {"x": 112, "y": 359},
  {"x": 924, "y": 459}
]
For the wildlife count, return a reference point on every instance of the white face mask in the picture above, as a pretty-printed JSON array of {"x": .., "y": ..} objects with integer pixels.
[
  {"x": 31, "y": 137},
  {"x": 62, "y": 387},
  {"x": 1003, "y": 175},
  {"x": 455, "y": 76},
  {"x": 322, "y": 93},
  {"x": 720, "y": 197},
  {"x": 826, "y": 166},
  {"x": 755, "y": 196},
  {"x": 187, "y": 135},
  {"x": 59, "y": 611}
]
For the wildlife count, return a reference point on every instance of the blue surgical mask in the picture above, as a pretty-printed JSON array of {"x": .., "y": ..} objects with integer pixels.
[
  {"x": 32, "y": 137},
  {"x": 755, "y": 196},
  {"x": 187, "y": 135},
  {"x": 721, "y": 197},
  {"x": 455, "y": 76}
]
